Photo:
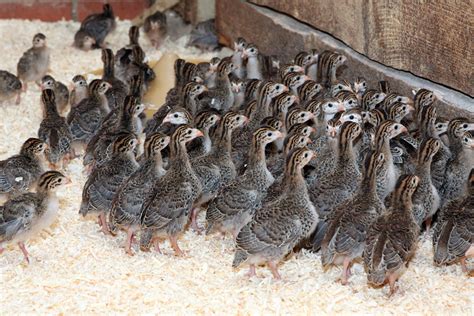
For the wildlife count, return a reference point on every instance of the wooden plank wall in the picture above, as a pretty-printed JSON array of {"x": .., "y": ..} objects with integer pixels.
[{"x": 431, "y": 39}]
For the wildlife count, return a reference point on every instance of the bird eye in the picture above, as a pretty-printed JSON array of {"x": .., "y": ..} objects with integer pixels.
[
  {"x": 189, "y": 131},
  {"x": 351, "y": 102},
  {"x": 306, "y": 155},
  {"x": 277, "y": 87},
  {"x": 351, "y": 117},
  {"x": 377, "y": 95},
  {"x": 364, "y": 84},
  {"x": 269, "y": 134},
  {"x": 396, "y": 127},
  {"x": 302, "y": 115},
  {"x": 465, "y": 126},
  {"x": 176, "y": 115},
  {"x": 404, "y": 108},
  {"x": 399, "y": 99},
  {"x": 330, "y": 105},
  {"x": 237, "y": 119},
  {"x": 339, "y": 58},
  {"x": 60, "y": 180}
]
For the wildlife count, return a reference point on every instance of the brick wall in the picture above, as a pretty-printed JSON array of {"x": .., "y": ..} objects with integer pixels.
[{"x": 53, "y": 10}]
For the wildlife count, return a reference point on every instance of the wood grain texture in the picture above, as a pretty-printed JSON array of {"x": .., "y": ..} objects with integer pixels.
[
  {"x": 283, "y": 36},
  {"x": 431, "y": 39}
]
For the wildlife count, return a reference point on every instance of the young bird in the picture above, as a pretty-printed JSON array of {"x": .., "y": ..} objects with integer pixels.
[
  {"x": 279, "y": 226},
  {"x": 104, "y": 181},
  {"x": 19, "y": 173},
  {"x": 61, "y": 92},
  {"x": 155, "y": 28},
  {"x": 10, "y": 86},
  {"x": 34, "y": 63},
  {"x": 391, "y": 239},
  {"x": 94, "y": 29},
  {"x": 54, "y": 131},
  {"x": 26, "y": 215}
]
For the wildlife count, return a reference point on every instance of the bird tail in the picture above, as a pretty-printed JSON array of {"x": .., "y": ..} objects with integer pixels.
[
  {"x": 145, "y": 239},
  {"x": 376, "y": 277},
  {"x": 84, "y": 209},
  {"x": 318, "y": 236},
  {"x": 107, "y": 8},
  {"x": 240, "y": 256},
  {"x": 441, "y": 255}
]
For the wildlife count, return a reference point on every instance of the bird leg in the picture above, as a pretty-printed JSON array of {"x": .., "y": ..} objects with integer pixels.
[
  {"x": 392, "y": 279},
  {"x": 464, "y": 265},
  {"x": 273, "y": 268},
  {"x": 156, "y": 242},
  {"x": 251, "y": 272},
  {"x": 103, "y": 224},
  {"x": 18, "y": 98},
  {"x": 24, "y": 86},
  {"x": 174, "y": 244},
  {"x": 2, "y": 250},
  {"x": 194, "y": 224},
  {"x": 25, "y": 252},
  {"x": 128, "y": 242},
  {"x": 346, "y": 271}
]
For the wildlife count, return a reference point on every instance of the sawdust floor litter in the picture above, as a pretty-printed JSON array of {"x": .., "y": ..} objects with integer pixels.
[{"x": 76, "y": 269}]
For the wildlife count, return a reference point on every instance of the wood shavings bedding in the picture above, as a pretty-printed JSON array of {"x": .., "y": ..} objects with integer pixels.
[{"x": 76, "y": 269}]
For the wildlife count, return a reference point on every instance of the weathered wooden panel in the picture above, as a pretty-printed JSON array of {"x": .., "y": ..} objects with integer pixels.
[
  {"x": 432, "y": 39},
  {"x": 280, "y": 35}
]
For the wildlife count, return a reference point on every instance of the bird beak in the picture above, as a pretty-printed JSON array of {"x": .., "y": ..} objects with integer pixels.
[
  {"x": 68, "y": 181},
  {"x": 404, "y": 129},
  {"x": 199, "y": 133},
  {"x": 311, "y": 115},
  {"x": 297, "y": 99},
  {"x": 244, "y": 55},
  {"x": 285, "y": 89},
  {"x": 310, "y": 141},
  {"x": 167, "y": 119},
  {"x": 279, "y": 134},
  {"x": 341, "y": 108}
]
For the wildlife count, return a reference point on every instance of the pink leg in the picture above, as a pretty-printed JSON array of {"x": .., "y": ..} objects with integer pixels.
[
  {"x": 24, "y": 86},
  {"x": 128, "y": 243},
  {"x": 273, "y": 268},
  {"x": 25, "y": 252},
  {"x": 251, "y": 272},
  {"x": 174, "y": 244},
  {"x": 18, "y": 98},
  {"x": 103, "y": 224},
  {"x": 392, "y": 279},
  {"x": 156, "y": 242},
  {"x": 464, "y": 265},
  {"x": 2, "y": 250},
  {"x": 194, "y": 225},
  {"x": 346, "y": 271}
]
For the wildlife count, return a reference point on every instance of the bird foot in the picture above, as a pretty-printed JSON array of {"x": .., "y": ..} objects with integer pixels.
[
  {"x": 25, "y": 252},
  {"x": 251, "y": 273},
  {"x": 196, "y": 228},
  {"x": 129, "y": 251},
  {"x": 18, "y": 99}
]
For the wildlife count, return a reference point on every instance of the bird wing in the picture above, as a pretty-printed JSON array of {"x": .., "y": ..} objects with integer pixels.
[
  {"x": 168, "y": 203},
  {"x": 270, "y": 228},
  {"x": 18, "y": 216}
]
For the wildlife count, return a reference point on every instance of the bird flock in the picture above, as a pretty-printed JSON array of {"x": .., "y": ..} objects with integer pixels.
[{"x": 280, "y": 155}]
